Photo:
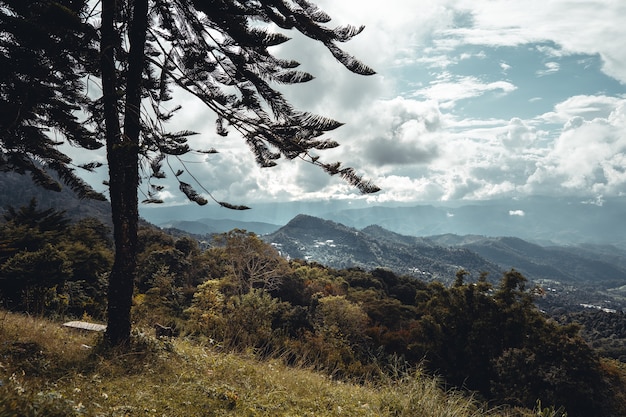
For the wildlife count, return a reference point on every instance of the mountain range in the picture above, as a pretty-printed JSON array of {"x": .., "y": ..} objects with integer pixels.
[
  {"x": 565, "y": 245},
  {"x": 578, "y": 274},
  {"x": 339, "y": 246},
  {"x": 545, "y": 220},
  {"x": 210, "y": 226},
  {"x": 599, "y": 268},
  {"x": 542, "y": 220}
]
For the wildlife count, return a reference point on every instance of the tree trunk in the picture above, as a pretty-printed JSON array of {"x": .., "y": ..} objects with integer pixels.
[{"x": 123, "y": 159}]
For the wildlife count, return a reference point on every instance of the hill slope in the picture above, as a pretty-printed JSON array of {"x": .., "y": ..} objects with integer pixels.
[
  {"x": 597, "y": 266},
  {"x": 339, "y": 246},
  {"x": 17, "y": 190},
  {"x": 49, "y": 370}
]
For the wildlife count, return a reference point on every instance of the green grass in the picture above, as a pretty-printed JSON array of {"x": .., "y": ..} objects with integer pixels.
[{"x": 48, "y": 370}]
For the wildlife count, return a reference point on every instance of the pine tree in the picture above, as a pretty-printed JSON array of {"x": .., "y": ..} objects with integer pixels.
[{"x": 216, "y": 50}]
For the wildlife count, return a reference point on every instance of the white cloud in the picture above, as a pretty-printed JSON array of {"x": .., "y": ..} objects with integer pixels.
[
  {"x": 518, "y": 213},
  {"x": 404, "y": 188},
  {"x": 479, "y": 160},
  {"x": 597, "y": 201},
  {"x": 489, "y": 36},
  {"x": 518, "y": 135},
  {"x": 592, "y": 27},
  {"x": 450, "y": 89},
  {"x": 583, "y": 106},
  {"x": 588, "y": 156},
  {"x": 550, "y": 68},
  {"x": 395, "y": 132}
]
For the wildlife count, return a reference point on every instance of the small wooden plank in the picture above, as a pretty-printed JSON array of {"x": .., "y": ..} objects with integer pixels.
[{"x": 83, "y": 325}]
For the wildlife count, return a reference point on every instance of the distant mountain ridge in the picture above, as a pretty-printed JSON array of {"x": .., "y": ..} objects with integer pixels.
[
  {"x": 601, "y": 266},
  {"x": 339, "y": 246},
  {"x": 598, "y": 269},
  {"x": 211, "y": 226},
  {"x": 538, "y": 219}
]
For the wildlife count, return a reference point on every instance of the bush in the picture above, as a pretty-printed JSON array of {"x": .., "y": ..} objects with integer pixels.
[{"x": 237, "y": 322}]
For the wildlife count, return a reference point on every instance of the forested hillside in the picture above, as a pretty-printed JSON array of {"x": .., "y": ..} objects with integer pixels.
[
  {"x": 18, "y": 190},
  {"x": 240, "y": 295},
  {"x": 571, "y": 275}
]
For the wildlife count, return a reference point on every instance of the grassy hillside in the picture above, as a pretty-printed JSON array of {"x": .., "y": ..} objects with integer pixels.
[{"x": 49, "y": 370}]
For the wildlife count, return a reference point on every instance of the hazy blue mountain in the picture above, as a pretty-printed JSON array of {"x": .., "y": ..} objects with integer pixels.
[
  {"x": 608, "y": 253},
  {"x": 600, "y": 266},
  {"x": 210, "y": 226},
  {"x": 538, "y": 219},
  {"x": 544, "y": 220}
]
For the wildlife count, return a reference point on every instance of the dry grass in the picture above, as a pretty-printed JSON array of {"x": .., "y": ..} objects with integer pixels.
[
  {"x": 53, "y": 374},
  {"x": 40, "y": 347}
]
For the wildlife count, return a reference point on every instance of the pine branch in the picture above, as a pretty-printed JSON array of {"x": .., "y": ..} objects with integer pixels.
[
  {"x": 316, "y": 122},
  {"x": 349, "y": 61},
  {"x": 191, "y": 193},
  {"x": 292, "y": 77},
  {"x": 91, "y": 166},
  {"x": 207, "y": 66},
  {"x": 347, "y": 32},
  {"x": 80, "y": 187},
  {"x": 232, "y": 207},
  {"x": 314, "y": 12}
]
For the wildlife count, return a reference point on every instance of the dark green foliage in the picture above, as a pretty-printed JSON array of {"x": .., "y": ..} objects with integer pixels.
[
  {"x": 48, "y": 265},
  {"x": 250, "y": 263},
  {"x": 604, "y": 330},
  {"x": 29, "y": 216},
  {"x": 168, "y": 275},
  {"x": 500, "y": 345}
]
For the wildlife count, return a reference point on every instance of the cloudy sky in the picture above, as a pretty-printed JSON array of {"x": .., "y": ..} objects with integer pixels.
[{"x": 473, "y": 99}]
